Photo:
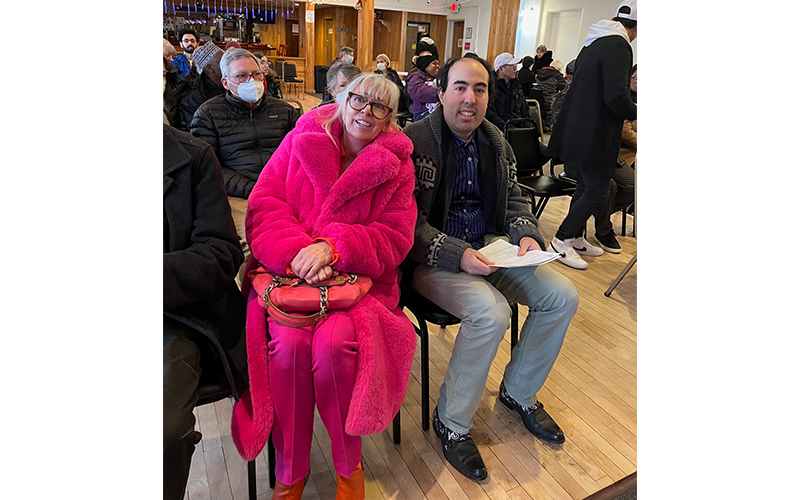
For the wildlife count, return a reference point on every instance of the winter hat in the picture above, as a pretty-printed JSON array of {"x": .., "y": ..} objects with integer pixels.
[
  {"x": 428, "y": 44},
  {"x": 422, "y": 62},
  {"x": 627, "y": 10},
  {"x": 571, "y": 67},
  {"x": 505, "y": 58},
  {"x": 203, "y": 55},
  {"x": 232, "y": 44}
]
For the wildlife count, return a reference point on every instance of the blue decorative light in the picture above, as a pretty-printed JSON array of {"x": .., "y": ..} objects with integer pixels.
[{"x": 165, "y": 8}]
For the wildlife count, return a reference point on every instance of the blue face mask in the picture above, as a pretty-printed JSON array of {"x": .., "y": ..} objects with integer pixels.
[{"x": 349, "y": 59}]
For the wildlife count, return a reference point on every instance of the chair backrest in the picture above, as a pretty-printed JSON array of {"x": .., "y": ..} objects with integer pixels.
[
  {"x": 279, "y": 67},
  {"x": 289, "y": 70},
  {"x": 526, "y": 150},
  {"x": 536, "y": 114},
  {"x": 299, "y": 105}
]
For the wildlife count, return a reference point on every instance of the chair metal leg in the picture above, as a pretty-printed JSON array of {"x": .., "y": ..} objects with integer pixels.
[
  {"x": 514, "y": 324},
  {"x": 540, "y": 208},
  {"x": 424, "y": 362},
  {"x": 396, "y": 428},
  {"x": 624, "y": 220},
  {"x": 622, "y": 274},
  {"x": 271, "y": 458},
  {"x": 251, "y": 479}
]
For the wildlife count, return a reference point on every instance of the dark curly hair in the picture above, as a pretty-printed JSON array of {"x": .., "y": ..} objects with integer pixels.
[{"x": 444, "y": 71}]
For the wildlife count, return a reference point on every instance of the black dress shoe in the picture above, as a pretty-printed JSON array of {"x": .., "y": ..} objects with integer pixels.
[
  {"x": 460, "y": 450},
  {"x": 536, "y": 420}
]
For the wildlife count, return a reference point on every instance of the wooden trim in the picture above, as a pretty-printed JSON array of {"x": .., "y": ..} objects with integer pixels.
[{"x": 366, "y": 29}]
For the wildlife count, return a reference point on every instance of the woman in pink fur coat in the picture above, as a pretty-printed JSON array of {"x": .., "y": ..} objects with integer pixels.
[{"x": 337, "y": 196}]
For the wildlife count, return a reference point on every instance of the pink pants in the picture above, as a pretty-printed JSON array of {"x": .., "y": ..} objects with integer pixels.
[{"x": 306, "y": 365}]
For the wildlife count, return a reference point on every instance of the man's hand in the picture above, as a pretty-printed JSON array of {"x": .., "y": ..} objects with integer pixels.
[
  {"x": 526, "y": 244},
  {"x": 309, "y": 261},
  {"x": 473, "y": 262}
]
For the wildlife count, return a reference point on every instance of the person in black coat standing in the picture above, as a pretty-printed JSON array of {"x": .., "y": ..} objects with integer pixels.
[
  {"x": 204, "y": 311},
  {"x": 588, "y": 131},
  {"x": 542, "y": 59}
]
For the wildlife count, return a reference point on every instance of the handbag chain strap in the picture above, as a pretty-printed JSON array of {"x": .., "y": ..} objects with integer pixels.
[{"x": 278, "y": 281}]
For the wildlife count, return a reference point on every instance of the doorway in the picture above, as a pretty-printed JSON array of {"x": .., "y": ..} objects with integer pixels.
[
  {"x": 458, "y": 38},
  {"x": 563, "y": 34},
  {"x": 292, "y": 38},
  {"x": 414, "y": 32},
  {"x": 329, "y": 41}
]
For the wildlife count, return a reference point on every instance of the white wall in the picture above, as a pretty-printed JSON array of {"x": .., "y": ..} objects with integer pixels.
[
  {"x": 528, "y": 28},
  {"x": 593, "y": 11}
]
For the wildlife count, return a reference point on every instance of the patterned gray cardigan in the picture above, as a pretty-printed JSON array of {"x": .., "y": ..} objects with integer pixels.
[{"x": 433, "y": 247}]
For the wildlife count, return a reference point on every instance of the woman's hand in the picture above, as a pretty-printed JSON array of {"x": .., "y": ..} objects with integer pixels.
[
  {"x": 309, "y": 263},
  {"x": 325, "y": 273}
]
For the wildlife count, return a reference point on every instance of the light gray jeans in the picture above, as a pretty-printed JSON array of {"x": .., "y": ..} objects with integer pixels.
[{"x": 482, "y": 303}]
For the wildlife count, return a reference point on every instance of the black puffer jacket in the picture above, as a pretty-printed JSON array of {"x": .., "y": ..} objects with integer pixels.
[
  {"x": 552, "y": 81},
  {"x": 243, "y": 139},
  {"x": 202, "y": 90},
  {"x": 541, "y": 62},
  {"x": 509, "y": 102}
]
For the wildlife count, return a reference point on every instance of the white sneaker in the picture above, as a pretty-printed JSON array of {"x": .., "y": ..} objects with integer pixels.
[
  {"x": 568, "y": 254},
  {"x": 583, "y": 247}
]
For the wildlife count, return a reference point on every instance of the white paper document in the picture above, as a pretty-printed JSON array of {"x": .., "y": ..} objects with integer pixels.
[{"x": 504, "y": 254}]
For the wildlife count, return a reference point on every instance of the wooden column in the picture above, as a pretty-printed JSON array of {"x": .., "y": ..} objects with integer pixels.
[
  {"x": 503, "y": 28},
  {"x": 307, "y": 12},
  {"x": 366, "y": 18},
  {"x": 403, "y": 27}
]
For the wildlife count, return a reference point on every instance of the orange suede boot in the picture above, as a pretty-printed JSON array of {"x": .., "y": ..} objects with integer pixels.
[
  {"x": 289, "y": 492},
  {"x": 351, "y": 488}
]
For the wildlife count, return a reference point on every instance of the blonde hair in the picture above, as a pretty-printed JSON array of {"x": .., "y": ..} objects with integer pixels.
[
  {"x": 557, "y": 65},
  {"x": 385, "y": 58},
  {"x": 379, "y": 88}
]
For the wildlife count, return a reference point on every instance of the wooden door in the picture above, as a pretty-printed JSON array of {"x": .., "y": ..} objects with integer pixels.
[
  {"x": 458, "y": 35},
  {"x": 329, "y": 41},
  {"x": 414, "y": 31},
  {"x": 292, "y": 38}
]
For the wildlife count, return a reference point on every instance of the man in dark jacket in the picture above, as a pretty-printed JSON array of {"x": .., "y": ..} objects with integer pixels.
[
  {"x": 526, "y": 76},
  {"x": 206, "y": 85},
  {"x": 467, "y": 197},
  {"x": 204, "y": 311},
  {"x": 588, "y": 131},
  {"x": 509, "y": 101},
  {"x": 552, "y": 82},
  {"x": 244, "y": 127}
]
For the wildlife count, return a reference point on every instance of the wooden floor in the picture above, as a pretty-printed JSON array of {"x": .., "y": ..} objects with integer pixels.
[{"x": 591, "y": 394}]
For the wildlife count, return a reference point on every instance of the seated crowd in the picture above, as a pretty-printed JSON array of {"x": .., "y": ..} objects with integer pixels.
[{"x": 256, "y": 189}]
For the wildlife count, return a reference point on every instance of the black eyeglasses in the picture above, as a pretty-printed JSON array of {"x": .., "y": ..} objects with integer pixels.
[{"x": 359, "y": 102}]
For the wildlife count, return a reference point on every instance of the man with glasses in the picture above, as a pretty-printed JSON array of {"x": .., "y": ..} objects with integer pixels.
[
  {"x": 188, "y": 41},
  {"x": 467, "y": 197},
  {"x": 245, "y": 127}
]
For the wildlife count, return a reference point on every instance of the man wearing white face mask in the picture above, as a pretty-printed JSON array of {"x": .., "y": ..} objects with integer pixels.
[{"x": 245, "y": 127}]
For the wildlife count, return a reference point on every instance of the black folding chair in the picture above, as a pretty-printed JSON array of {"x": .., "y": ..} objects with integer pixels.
[{"x": 530, "y": 171}]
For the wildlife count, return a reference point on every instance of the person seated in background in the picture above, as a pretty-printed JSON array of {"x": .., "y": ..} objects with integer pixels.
[
  {"x": 509, "y": 101},
  {"x": 467, "y": 197},
  {"x": 188, "y": 42},
  {"x": 346, "y": 56},
  {"x": 543, "y": 58},
  {"x": 552, "y": 81},
  {"x": 272, "y": 84},
  {"x": 338, "y": 78},
  {"x": 204, "y": 312},
  {"x": 337, "y": 197},
  {"x": 421, "y": 86},
  {"x": 208, "y": 83},
  {"x": 169, "y": 52},
  {"x": 244, "y": 128},
  {"x": 383, "y": 64},
  {"x": 175, "y": 88},
  {"x": 525, "y": 75},
  {"x": 558, "y": 100},
  {"x": 232, "y": 44}
]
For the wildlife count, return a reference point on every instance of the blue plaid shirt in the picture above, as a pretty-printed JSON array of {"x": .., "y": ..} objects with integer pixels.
[{"x": 465, "y": 218}]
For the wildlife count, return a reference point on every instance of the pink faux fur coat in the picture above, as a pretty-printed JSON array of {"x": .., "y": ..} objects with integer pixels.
[{"x": 369, "y": 214}]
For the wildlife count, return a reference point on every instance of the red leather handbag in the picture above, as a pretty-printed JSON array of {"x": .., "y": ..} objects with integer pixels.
[{"x": 283, "y": 295}]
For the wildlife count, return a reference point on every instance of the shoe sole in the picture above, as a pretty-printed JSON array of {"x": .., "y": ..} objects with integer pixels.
[
  {"x": 608, "y": 249},
  {"x": 563, "y": 261},
  {"x": 515, "y": 410}
]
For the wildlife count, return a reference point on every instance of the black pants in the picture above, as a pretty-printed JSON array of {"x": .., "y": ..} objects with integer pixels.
[
  {"x": 621, "y": 194},
  {"x": 181, "y": 378},
  {"x": 591, "y": 192}
]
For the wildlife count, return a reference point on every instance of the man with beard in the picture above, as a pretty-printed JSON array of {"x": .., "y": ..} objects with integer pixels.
[{"x": 188, "y": 42}]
